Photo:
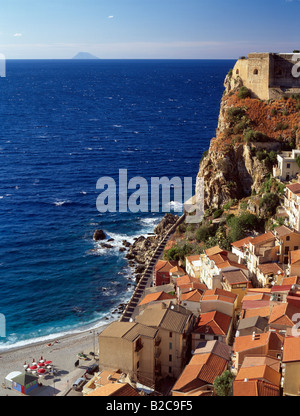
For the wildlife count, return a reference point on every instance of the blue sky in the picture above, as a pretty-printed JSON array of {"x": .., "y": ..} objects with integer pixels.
[{"x": 171, "y": 29}]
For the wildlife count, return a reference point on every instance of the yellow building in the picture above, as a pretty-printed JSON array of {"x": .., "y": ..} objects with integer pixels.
[
  {"x": 291, "y": 367},
  {"x": 237, "y": 282},
  {"x": 174, "y": 324},
  {"x": 130, "y": 347}
]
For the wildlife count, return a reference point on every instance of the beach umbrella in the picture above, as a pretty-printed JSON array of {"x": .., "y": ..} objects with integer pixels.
[
  {"x": 48, "y": 362},
  {"x": 41, "y": 364},
  {"x": 25, "y": 365},
  {"x": 41, "y": 371},
  {"x": 33, "y": 362},
  {"x": 42, "y": 360},
  {"x": 33, "y": 367}
]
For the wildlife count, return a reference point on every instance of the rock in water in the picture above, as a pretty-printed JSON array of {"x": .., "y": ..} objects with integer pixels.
[{"x": 99, "y": 235}]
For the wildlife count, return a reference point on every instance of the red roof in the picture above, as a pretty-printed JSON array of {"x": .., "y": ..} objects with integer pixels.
[
  {"x": 242, "y": 243},
  {"x": 262, "y": 238},
  {"x": 216, "y": 323},
  {"x": 254, "y": 388}
]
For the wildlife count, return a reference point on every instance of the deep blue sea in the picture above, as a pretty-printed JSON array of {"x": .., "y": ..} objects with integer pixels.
[{"x": 64, "y": 124}]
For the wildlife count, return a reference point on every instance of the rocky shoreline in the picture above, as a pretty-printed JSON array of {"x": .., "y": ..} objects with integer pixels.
[{"x": 140, "y": 252}]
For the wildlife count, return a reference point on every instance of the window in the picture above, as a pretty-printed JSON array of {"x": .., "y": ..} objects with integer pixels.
[
  {"x": 170, "y": 345},
  {"x": 170, "y": 369},
  {"x": 237, "y": 71},
  {"x": 170, "y": 334},
  {"x": 255, "y": 72},
  {"x": 170, "y": 357},
  {"x": 296, "y": 248},
  {"x": 286, "y": 250},
  {"x": 288, "y": 238},
  {"x": 288, "y": 165}
]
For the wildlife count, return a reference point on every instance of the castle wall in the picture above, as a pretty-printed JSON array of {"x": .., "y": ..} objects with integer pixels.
[{"x": 267, "y": 75}]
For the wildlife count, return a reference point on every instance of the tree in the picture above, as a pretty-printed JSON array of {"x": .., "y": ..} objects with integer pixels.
[
  {"x": 298, "y": 160},
  {"x": 223, "y": 384}
]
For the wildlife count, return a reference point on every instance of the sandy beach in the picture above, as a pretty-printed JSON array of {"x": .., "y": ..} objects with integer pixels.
[{"x": 62, "y": 352}]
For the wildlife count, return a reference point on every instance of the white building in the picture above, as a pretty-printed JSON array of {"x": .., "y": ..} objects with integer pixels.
[{"x": 287, "y": 167}]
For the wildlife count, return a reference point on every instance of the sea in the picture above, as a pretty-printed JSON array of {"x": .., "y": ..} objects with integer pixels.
[{"x": 65, "y": 124}]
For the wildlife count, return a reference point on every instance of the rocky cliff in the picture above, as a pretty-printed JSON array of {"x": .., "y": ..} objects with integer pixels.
[{"x": 250, "y": 132}]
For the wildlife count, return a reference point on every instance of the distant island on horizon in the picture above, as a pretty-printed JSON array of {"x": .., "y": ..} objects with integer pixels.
[{"x": 85, "y": 55}]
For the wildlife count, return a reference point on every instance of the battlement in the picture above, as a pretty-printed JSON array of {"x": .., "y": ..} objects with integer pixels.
[{"x": 269, "y": 75}]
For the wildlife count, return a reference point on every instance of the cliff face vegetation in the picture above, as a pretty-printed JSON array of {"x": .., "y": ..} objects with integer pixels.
[{"x": 250, "y": 133}]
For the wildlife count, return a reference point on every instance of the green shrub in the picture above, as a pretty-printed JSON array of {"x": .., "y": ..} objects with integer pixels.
[
  {"x": 281, "y": 126},
  {"x": 269, "y": 203},
  {"x": 203, "y": 233},
  {"x": 218, "y": 213},
  {"x": 244, "y": 93},
  {"x": 254, "y": 136}
]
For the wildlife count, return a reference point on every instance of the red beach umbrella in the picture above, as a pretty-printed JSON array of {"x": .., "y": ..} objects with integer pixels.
[
  {"x": 48, "y": 362},
  {"x": 33, "y": 367},
  {"x": 41, "y": 364},
  {"x": 42, "y": 360},
  {"x": 41, "y": 371}
]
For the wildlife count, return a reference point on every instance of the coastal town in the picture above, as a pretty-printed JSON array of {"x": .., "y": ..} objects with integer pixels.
[{"x": 216, "y": 306}]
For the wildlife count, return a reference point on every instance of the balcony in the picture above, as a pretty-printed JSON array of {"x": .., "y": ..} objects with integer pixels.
[
  {"x": 157, "y": 352},
  {"x": 157, "y": 341},
  {"x": 157, "y": 369},
  {"x": 138, "y": 347}
]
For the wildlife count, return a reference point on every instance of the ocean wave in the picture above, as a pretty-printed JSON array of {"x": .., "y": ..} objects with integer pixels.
[{"x": 60, "y": 203}]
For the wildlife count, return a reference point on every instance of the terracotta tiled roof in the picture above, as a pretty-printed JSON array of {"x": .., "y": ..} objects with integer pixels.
[
  {"x": 291, "y": 349},
  {"x": 259, "y": 290},
  {"x": 270, "y": 340},
  {"x": 282, "y": 231},
  {"x": 192, "y": 296},
  {"x": 194, "y": 285},
  {"x": 256, "y": 296},
  {"x": 281, "y": 288},
  {"x": 254, "y": 388},
  {"x": 248, "y": 313},
  {"x": 229, "y": 263},
  {"x": 215, "y": 347},
  {"x": 262, "y": 238},
  {"x": 165, "y": 266},
  {"x": 186, "y": 279},
  {"x": 154, "y": 297},
  {"x": 220, "y": 292},
  {"x": 114, "y": 389},
  {"x": 234, "y": 277},
  {"x": 242, "y": 243},
  {"x": 255, "y": 360},
  {"x": 282, "y": 314},
  {"x": 218, "y": 258},
  {"x": 214, "y": 322},
  {"x": 294, "y": 187},
  {"x": 294, "y": 280},
  {"x": 214, "y": 250},
  {"x": 202, "y": 370},
  {"x": 177, "y": 269},
  {"x": 254, "y": 304},
  {"x": 294, "y": 256},
  {"x": 259, "y": 372},
  {"x": 193, "y": 258},
  {"x": 267, "y": 268},
  {"x": 245, "y": 343}
]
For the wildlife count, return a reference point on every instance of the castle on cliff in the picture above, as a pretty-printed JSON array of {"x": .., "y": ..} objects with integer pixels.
[{"x": 269, "y": 75}]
